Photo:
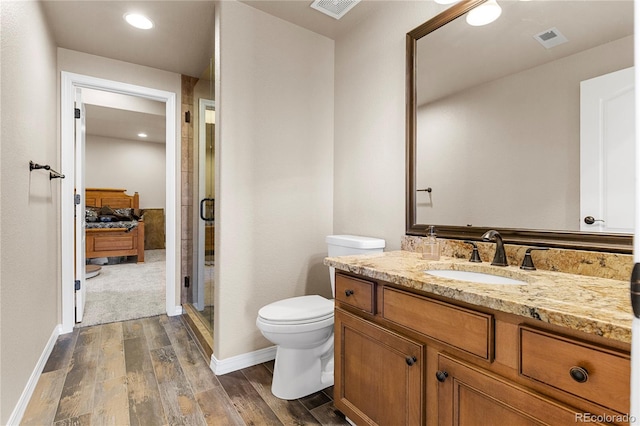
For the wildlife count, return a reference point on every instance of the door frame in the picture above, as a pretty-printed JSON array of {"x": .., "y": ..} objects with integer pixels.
[{"x": 68, "y": 83}]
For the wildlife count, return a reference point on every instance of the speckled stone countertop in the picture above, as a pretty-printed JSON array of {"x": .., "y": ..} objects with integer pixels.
[{"x": 593, "y": 305}]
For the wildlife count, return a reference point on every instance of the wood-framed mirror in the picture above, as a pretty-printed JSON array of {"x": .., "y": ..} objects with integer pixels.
[{"x": 483, "y": 189}]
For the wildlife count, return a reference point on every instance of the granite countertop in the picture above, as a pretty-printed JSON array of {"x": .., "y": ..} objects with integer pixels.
[{"x": 592, "y": 305}]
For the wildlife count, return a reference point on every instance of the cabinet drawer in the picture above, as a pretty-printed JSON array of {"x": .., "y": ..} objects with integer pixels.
[
  {"x": 462, "y": 328},
  {"x": 355, "y": 292},
  {"x": 469, "y": 396},
  {"x": 551, "y": 359}
]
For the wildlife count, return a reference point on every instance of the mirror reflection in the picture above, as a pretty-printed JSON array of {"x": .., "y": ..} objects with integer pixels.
[{"x": 527, "y": 122}]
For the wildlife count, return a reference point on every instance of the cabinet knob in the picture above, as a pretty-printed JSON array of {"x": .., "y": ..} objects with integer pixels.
[
  {"x": 348, "y": 293},
  {"x": 441, "y": 376},
  {"x": 411, "y": 360},
  {"x": 579, "y": 374}
]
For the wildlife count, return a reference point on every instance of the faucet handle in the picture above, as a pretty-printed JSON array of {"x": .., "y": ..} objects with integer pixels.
[
  {"x": 475, "y": 256},
  {"x": 527, "y": 262}
]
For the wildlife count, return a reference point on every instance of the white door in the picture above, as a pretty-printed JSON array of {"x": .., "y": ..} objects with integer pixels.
[
  {"x": 80, "y": 220},
  {"x": 607, "y": 153}
]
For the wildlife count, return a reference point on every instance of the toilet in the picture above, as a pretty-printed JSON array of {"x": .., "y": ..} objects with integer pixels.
[{"x": 302, "y": 329}]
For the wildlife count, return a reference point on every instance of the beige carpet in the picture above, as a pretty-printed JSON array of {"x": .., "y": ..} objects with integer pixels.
[{"x": 126, "y": 291}]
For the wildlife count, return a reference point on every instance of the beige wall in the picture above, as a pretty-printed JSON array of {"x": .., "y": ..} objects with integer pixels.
[
  {"x": 134, "y": 165},
  {"x": 274, "y": 158},
  {"x": 370, "y": 122},
  {"x": 507, "y": 153},
  {"x": 30, "y": 219}
]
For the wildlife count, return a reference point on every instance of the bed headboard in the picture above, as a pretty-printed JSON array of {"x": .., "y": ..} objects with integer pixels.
[{"x": 114, "y": 198}]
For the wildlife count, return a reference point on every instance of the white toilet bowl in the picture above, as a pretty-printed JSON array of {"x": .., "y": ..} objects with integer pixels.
[{"x": 302, "y": 329}]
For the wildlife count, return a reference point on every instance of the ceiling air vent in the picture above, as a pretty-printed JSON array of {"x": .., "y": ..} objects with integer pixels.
[
  {"x": 550, "y": 38},
  {"x": 334, "y": 8}
]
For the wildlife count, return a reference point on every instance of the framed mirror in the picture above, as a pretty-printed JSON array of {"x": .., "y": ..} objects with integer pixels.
[{"x": 497, "y": 121}]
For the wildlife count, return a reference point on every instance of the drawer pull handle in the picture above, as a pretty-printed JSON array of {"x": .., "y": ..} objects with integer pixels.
[
  {"x": 441, "y": 376},
  {"x": 348, "y": 293},
  {"x": 579, "y": 374},
  {"x": 411, "y": 360}
]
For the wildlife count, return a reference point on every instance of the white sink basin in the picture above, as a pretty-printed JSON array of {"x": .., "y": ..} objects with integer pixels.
[{"x": 474, "y": 277}]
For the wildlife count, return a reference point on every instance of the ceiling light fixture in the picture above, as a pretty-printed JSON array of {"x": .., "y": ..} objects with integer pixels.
[
  {"x": 142, "y": 135},
  {"x": 138, "y": 21},
  {"x": 484, "y": 14}
]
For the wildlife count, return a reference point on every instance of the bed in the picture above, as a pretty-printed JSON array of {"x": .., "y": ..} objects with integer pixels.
[{"x": 114, "y": 224}]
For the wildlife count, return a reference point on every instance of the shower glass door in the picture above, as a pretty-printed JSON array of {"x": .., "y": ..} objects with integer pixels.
[
  {"x": 207, "y": 223},
  {"x": 197, "y": 294}
]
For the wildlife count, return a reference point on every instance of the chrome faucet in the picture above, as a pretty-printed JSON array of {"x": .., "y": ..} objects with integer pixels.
[{"x": 500, "y": 258}]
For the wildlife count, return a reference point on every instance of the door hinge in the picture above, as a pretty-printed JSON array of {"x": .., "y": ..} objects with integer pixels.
[
  {"x": 77, "y": 112},
  {"x": 76, "y": 199},
  {"x": 77, "y": 285}
]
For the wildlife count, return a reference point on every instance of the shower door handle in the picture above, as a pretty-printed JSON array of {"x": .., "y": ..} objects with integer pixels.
[{"x": 202, "y": 208}]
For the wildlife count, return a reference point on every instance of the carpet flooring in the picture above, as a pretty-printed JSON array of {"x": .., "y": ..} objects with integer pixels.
[{"x": 126, "y": 291}]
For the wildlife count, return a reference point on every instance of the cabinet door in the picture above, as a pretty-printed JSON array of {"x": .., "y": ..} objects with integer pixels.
[
  {"x": 470, "y": 396},
  {"x": 378, "y": 373}
]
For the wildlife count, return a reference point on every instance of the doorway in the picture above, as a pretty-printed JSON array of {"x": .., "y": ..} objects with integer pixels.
[
  {"x": 124, "y": 162},
  {"x": 70, "y": 83}
]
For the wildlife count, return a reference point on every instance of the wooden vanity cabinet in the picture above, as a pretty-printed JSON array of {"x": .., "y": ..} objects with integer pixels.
[
  {"x": 406, "y": 358},
  {"x": 591, "y": 372},
  {"x": 468, "y": 395},
  {"x": 378, "y": 373}
]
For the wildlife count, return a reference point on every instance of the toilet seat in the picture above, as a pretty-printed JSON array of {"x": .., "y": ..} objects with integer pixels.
[{"x": 297, "y": 311}]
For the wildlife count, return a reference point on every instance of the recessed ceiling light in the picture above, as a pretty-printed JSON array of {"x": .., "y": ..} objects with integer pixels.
[
  {"x": 138, "y": 21},
  {"x": 142, "y": 135}
]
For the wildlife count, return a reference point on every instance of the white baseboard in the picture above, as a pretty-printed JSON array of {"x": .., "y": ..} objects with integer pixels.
[
  {"x": 27, "y": 393},
  {"x": 239, "y": 362},
  {"x": 176, "y": 311}
]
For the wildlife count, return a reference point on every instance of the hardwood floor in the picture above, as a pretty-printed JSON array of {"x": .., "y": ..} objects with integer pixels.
[{"x": 150, "y": 372}]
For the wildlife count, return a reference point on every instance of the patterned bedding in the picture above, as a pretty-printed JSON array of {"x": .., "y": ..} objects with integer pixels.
[
  {"x": 108, "y": 218},
  {"x": 119, "y": 224}
]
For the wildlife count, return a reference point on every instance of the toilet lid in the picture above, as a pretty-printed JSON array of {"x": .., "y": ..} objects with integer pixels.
[{"x": 297, "y": 310}]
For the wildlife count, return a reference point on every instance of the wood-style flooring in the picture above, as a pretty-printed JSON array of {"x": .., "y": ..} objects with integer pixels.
[{"x": 151, "y": 372}]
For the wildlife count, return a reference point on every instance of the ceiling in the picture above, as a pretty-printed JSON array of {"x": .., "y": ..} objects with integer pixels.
[
  {"x": 182, "y": 39},
  {"x": 300, "y": 13},
  {"x": 122, "y": 124},
  {"x": 182, "y": 42},
  {"x": 507, "y": 45}
]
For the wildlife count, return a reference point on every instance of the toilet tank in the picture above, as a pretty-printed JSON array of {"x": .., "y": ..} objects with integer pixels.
[{"x": 346, "y": 245}]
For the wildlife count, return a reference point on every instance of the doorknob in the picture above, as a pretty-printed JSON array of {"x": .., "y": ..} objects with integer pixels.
[{"x": 590, "y": 220}]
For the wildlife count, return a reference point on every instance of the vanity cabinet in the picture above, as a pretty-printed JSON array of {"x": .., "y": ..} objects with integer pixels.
[
  {"x": 591, "y": 372},
  {"x": 378, "y": 373},
  {"x": 468, "y": 395},
  {"x": 406, "y": 357}
]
